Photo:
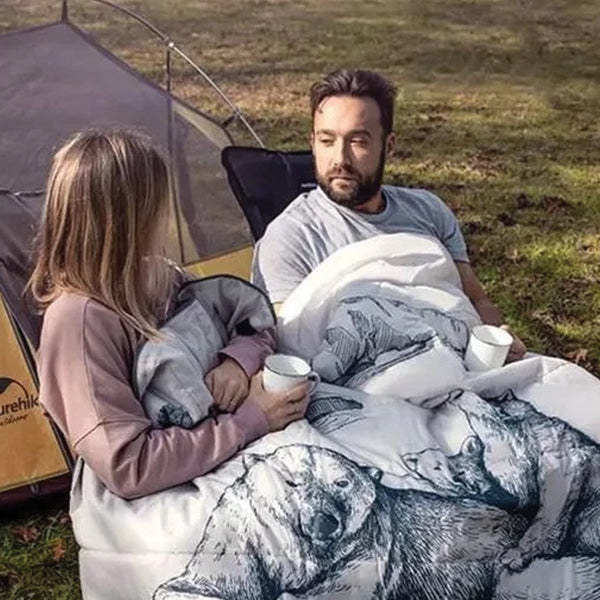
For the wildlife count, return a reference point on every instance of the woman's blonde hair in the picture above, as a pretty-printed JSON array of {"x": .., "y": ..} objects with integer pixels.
[{"x": 106, "y": 212}]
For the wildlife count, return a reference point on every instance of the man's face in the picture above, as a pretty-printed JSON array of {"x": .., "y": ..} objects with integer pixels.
[{"x": 349, "y": 148}]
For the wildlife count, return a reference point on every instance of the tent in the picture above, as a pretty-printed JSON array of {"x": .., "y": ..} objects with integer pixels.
[{"x": 56, "y": 80}]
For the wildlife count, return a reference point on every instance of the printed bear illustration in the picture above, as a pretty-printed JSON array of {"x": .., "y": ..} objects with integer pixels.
[
  {"x": 361, "y": 331},
  {"x": 573, "y": 578},
  {"x": 368, "y": 334},
  {"x": 461, "y": 475},
  {"x": 329, "y": 413},
  {"x": 349, "y": 358},
  {"x": 306, "y": 521},
  {"x": 453, "y": 332},
  {"x": 552, "y": 469}
]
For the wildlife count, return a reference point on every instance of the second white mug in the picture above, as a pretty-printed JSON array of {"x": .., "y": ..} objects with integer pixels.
[
  {"x": 488, "y": 348},
  {"x": 283, "y": 372}
]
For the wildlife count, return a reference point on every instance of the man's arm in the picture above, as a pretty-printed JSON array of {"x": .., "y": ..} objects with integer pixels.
[
  {"x": 487, "y": 310},
  {"x": 472, "y": 287},
  {"x": 278, "y": 264}
]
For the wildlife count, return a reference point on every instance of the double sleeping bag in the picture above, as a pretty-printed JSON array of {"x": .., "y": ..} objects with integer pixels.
[{"x": 410, "y": 478}]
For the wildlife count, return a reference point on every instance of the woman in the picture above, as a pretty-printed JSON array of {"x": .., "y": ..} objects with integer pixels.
[{"x": 104, "y": 291}]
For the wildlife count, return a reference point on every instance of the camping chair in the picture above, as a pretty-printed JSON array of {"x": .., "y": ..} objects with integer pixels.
[{"x": 265, "y": 181}]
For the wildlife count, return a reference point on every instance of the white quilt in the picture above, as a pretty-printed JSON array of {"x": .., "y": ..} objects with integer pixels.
[{"x": 409, "y": 479}]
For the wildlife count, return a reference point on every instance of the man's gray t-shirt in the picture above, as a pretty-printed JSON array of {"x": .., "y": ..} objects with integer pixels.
[{"x": 313, "y": 227}]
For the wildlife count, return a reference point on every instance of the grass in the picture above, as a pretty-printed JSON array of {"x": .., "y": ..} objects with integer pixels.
[
  {"x": 498, "y": 112},
  {"x": 38, "y": 555}
]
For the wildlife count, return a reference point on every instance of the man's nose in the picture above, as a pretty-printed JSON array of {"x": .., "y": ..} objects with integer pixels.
[{"x": 340, "y": 154}]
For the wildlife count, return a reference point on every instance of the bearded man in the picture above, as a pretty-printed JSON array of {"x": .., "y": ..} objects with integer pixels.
[{"x": 352, "y": 134}]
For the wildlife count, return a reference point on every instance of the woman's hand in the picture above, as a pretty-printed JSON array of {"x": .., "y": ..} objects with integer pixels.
[
  {"x": 280, "y": 408},
  {"x": 228, "y": 384}
]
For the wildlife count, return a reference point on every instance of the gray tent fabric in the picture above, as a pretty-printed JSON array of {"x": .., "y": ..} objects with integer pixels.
[
  {"x": 57, "y": 80},
  {"x": 18, "y": 217}
]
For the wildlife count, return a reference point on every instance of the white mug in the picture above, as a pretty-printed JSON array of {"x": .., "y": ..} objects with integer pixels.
[
  {"x": 488, "y": 348},
  {"x": 283, "y": 372}
]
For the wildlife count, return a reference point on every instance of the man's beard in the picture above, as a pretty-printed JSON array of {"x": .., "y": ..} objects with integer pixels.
[{"x": 357, "y": 191}]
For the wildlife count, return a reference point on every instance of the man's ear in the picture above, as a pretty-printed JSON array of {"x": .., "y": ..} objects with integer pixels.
[
  {"x": 311, "y": 140},
  {"x": 390, "y": 144}
]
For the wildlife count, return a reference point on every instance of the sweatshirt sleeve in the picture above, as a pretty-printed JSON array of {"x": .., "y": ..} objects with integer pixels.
[
  {"x": 85, "y": 362},
  {"x": 250, "y": 351}
]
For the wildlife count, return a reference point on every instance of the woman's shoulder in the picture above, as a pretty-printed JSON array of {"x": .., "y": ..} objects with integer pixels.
[
  {"x": 71, "y": 308},
  {"x": 78, "y": 328},
  {"x": 73, "y": 316}
]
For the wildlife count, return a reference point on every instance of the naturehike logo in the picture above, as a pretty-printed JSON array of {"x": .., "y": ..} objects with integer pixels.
[{"x": 16, "y": 409}]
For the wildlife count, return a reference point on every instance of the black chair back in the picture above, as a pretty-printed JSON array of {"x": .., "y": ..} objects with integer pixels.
[{"x": 265, "y": 181}]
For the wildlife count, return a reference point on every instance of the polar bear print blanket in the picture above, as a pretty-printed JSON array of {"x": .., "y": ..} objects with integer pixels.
[{"x": 409, "y": 479}]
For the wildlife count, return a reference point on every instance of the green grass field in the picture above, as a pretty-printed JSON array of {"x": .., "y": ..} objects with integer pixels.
[{"x": 498, "y": 112}]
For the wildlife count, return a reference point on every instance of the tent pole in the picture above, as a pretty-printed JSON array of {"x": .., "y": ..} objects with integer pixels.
[
  {"x": 236, "y": 111},
  {"x": 168, "y": 65},
  {"x": 65, "y": 11},
  {"x": 173, "y": 48}
]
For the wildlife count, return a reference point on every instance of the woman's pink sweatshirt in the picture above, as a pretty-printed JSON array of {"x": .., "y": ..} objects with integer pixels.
[{"x": 85, "y": 364}]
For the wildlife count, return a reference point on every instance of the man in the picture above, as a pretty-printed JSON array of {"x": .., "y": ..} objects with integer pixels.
[{"x": 352, "y": 133}]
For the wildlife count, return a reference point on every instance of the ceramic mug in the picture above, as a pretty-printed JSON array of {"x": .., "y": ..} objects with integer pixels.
[
  {"x": 283, "y": 372},
  {"x": 488, "y": 348}
]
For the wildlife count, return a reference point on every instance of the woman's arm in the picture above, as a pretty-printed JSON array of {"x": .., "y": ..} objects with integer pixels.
[
  {"x": 133, "y": 460},
  {"x": 85, "y": 359},
  {"x": 229, "y": 382},
  {"x": 250, "y": 351}
]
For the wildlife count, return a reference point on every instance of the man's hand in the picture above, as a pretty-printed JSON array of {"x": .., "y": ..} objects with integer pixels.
[
  {"x": 228, "y": 384},
  {"x": 487, "y": 310},
  {"x": 517, "y": 349}
]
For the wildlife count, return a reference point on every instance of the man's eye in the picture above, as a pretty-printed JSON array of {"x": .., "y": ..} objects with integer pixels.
[
  {"x": 326, "y": 141},
  {"x": 291, "y": 483},
  {"x": 360, "y": 142},
  {"x": 342, "y": 483}
]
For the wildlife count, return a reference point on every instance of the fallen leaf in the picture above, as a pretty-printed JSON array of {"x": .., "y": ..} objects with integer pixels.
[
  {"x": 512, "y": 255},
  {"x": 578, "y": 356},
  {"x": 58, "y": 550},
  {"x": 555, "y": 204},
  {"x": 26, "y": 534}
]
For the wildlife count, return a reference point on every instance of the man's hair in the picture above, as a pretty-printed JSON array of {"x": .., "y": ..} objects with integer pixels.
[
  {"x": 107, "y": 204},
  {"x": 359, "y": 84}
]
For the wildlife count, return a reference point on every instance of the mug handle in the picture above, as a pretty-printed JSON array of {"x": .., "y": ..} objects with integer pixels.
[{"x": 315, "y": 380}]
